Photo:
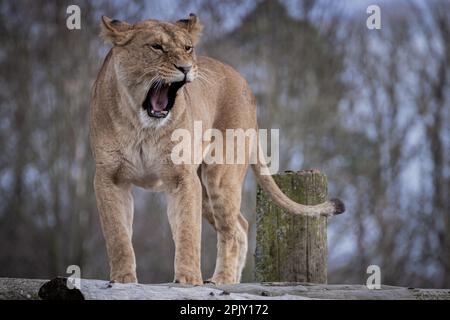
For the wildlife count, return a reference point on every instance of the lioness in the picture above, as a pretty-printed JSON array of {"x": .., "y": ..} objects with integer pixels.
[{"x": 150, "y": 84}]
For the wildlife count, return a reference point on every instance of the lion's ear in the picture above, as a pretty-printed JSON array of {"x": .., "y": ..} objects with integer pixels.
[
  {"x": 192, "y": 25},
  {"x": 115, "y": 31}
]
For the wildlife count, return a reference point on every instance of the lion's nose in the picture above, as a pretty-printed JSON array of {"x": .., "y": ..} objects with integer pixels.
[{"x": 184, "y": 68}]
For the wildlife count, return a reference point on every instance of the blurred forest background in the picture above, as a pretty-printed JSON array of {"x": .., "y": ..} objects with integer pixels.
[{"x": 370, "y": 108}]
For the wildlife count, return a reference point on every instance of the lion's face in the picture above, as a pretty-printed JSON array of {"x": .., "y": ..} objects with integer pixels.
[{"x": 155, "y": 59}]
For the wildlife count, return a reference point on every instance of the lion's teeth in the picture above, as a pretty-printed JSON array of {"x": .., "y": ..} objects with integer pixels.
[{"x": 159, "y": 112}]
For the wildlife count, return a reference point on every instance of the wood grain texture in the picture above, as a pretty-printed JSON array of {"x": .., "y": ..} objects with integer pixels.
[
  {"x": 103, "y": 290},
  {"x": 20, "y": 289},
  {"x": 289, "y": 247}
]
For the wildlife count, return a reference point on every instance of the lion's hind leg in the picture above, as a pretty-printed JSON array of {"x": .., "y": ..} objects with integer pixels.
[{"x": 221, "y": 208}]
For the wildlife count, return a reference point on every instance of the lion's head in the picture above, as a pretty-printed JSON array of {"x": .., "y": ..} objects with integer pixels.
[{"x": 154, "y": 58}]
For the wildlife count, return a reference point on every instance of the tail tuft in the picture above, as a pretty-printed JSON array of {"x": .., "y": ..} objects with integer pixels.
[{"x": 339, "y": 206}]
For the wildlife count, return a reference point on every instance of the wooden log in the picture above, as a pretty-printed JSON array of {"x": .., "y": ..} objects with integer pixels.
[
  {"x": 103, "y": 290},
  {"x": 56, "y": 289},
  {"x": 292, "y": 248},
  {"x": 20, "y": 289}
]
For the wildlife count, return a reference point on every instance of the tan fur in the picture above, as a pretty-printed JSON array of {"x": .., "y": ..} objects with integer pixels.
[{"x": 131, "y": 148}]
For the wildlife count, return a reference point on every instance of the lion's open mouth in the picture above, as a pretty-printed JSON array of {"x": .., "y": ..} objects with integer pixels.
[{"x": 160, "y": 98}]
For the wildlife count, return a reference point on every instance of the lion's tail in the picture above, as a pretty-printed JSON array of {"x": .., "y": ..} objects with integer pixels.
[{"x": 328, "y": 208}]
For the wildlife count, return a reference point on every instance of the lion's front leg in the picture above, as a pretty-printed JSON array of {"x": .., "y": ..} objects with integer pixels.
[
  {"x": 115, "y": 205},
  {"x": 185, "y": 217}
]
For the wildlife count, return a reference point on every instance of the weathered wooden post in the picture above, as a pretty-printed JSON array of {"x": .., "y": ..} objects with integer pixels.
[{"x": 292, "y": 248}]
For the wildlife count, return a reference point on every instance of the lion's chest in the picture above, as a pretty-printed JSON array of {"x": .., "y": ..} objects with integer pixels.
[{"x": 143, "y": 164}]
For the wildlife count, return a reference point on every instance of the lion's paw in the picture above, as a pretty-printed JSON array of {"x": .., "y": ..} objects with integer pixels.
[
  {"x": 188, "y": 279},
  {"x": 219, "y": 280},
  {"x": 125, "y": 278}
]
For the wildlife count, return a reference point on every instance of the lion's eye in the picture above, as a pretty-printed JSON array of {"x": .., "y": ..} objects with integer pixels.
[
  {"x": 157, "y": 47},
  {"x": 188, "y": 48}
]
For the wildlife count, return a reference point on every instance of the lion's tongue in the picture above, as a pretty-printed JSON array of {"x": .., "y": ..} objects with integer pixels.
[{"x": 159, "y": 98}]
